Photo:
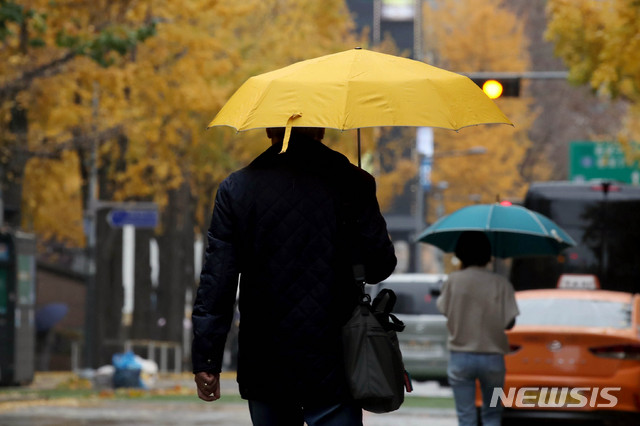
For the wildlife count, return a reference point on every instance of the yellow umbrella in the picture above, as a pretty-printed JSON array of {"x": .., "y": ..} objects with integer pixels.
[{"x": 358, "y": 88}]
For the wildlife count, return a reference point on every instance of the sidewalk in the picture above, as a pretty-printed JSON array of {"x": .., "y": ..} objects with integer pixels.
[
  {"x": 57, "y": 379},
  {"x": 182, "y": 406},
  {"x": 228, "y": 384}
]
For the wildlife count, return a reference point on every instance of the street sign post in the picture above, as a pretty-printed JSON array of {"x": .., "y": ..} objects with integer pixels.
[{"x": 425, "y": 173}]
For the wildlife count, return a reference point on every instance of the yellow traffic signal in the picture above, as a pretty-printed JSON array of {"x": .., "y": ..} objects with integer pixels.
[
  {"x": 495, "y": 85},
  {"x": 492, "y": 88}
]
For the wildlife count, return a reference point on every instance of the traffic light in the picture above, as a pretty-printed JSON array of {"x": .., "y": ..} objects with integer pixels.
[{"x": 495, "y": 87}]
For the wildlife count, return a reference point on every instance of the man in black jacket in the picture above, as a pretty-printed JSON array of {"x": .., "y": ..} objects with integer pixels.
[{"x": 288, "y": 225}]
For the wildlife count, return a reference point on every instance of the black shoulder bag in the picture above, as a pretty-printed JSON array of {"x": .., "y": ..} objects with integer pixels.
[{"x": 373, "y": 361}]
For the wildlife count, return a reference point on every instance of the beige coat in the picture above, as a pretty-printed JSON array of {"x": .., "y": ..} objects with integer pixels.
[{"x": 479, "y": 305}]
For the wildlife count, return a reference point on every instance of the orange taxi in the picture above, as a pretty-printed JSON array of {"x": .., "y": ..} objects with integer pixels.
[{"x": 574, "y": 354}]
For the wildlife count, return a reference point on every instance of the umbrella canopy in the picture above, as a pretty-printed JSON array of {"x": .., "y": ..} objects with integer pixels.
[
  {"x": 49, "y": 315},
  {"x": 513, "y": 231},
  {"x": 358, "y": 88}
]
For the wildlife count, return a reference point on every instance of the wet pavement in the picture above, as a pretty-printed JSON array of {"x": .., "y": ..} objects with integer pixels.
[
  {"x": 111, "y": 413},
  {"x": 134, "y": 411}
]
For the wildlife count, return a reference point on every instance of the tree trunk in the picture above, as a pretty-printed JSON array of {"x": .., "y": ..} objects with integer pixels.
[
  {"x": 13, "y": 172},
  {"x": 144, "y": 315},
  {"x": 176, "y": 263},
  {"x": 109, "y": 335},
  {"x": 106, "y": 328}
]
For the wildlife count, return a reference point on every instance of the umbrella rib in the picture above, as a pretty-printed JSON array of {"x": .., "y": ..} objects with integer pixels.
[
  {"x": 345, "y": 106},
  {"x": 535, "y": 218},
  {"x": 492, "y": 230},
  {"x": 487, "y": 226}
]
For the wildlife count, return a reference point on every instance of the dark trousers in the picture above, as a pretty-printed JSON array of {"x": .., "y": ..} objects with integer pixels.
[{"x": 266, "y": 414}]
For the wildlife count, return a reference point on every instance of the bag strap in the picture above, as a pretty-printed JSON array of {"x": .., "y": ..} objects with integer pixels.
[
  {"x": 385, "y": 301},
  {"x": 382, "y": 306},
  {"x": 349, "y": 221}
]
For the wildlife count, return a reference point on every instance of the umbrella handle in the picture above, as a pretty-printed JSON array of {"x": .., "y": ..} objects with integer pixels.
[{"x": 359, "y": 161}]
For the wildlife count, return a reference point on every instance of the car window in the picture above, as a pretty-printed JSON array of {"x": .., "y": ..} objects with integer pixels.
[
  {"x": 413, "y": 298},
  {"x": 574, "y": 312}
]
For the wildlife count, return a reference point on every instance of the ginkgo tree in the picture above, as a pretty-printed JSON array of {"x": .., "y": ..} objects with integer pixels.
[
  {"x": 157, "y": 92},
  {"x": 180, "y": 80},
  {"x": 599, "y": 42},
  {"x": 40, "y": 41},
  {"x": 480, "y": 36},
  {"x": 138, "y": 81}
]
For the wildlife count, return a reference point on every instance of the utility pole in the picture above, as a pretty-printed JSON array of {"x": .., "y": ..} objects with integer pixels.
[
  {"x": 420, "y": 159},
  {"x": 424, "y": 186},
  {"x": 604, "y": 250},
  {"x": 90, "y": 231},
  {"x": 424, "y": 160},
  {"x": 377, "y": 17}
]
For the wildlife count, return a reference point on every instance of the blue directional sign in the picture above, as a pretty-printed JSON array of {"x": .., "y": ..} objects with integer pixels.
[{"x": 139, "y": 218}]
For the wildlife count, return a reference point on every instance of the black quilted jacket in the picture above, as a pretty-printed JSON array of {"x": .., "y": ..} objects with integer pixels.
[{"x": 277, "y": 224}]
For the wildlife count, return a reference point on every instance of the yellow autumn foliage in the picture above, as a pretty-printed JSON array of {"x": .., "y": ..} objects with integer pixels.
[
  {"x": 599, "y": 41},
  {"x": 159, "y": 95},
  {"x": 480, "y": 36},
  {"x": 52, "y": 201}
]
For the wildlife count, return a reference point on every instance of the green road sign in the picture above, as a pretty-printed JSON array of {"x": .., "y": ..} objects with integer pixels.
[{"x": 601, "y": 160}]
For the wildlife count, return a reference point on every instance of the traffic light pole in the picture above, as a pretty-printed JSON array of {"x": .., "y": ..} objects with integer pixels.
[
  {"x": 529, "y": 75},
  {"x": 507, "y": 84}
]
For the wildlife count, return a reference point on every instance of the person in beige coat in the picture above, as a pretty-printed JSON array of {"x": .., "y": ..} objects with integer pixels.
[{"x": 479, "y": 305}]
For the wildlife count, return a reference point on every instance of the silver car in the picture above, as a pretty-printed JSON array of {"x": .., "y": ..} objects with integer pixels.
[{"x": 424, "y": 339}]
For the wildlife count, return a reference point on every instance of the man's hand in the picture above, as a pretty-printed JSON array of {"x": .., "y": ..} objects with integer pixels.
[{"x": 208, "y": 386}]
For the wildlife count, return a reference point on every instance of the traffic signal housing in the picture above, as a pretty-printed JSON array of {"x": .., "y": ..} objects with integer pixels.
[{"x": 498, "y": 86}]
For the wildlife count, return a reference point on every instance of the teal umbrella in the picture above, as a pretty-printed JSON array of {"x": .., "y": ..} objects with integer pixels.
[{"x": 513, "y": 231}]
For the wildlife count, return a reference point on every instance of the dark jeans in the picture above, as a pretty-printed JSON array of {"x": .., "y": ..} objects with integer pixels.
[{"x": 266, "y": 414}]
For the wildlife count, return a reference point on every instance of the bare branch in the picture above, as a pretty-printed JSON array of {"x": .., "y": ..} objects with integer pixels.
[
  {"x": 23, "y": 82},
  {"x": 76, "y": 142}
]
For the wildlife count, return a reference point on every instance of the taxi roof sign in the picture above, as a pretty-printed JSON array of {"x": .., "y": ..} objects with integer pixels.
[{"x": 578, "y": 282}]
